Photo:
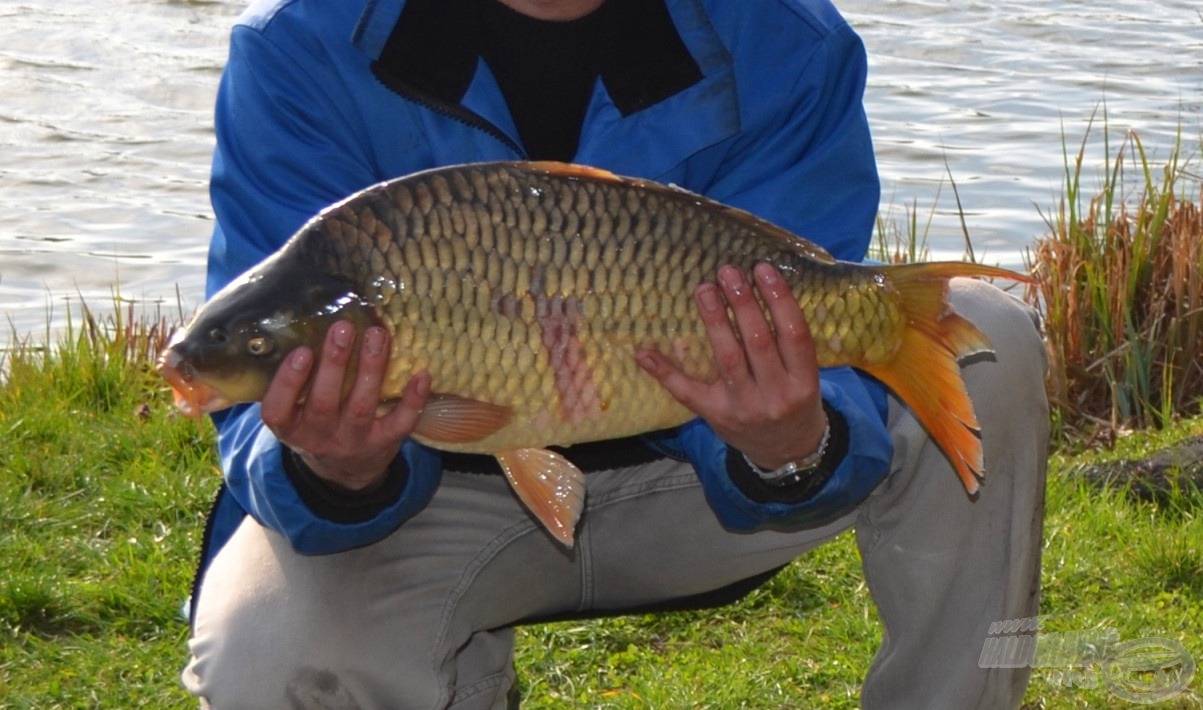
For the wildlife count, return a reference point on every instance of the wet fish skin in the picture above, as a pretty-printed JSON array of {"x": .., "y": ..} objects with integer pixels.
[
  {"x": 237, "y": 341},
  {"x": 470, "y": 271},
  {"x": 526, "y": 288}
]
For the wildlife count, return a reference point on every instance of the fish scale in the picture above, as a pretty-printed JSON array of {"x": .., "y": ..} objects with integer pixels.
[
  {"x": 526, "y": 289},
  {"x": 611, "y": 237}
]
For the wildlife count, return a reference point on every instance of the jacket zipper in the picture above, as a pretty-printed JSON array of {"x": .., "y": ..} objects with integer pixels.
[
  {"x": 206, "y": 544},
  {"x": 455, "y": 112}
]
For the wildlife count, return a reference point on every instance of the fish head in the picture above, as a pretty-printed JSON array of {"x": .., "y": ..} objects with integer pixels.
[{"x": 230, "y": 350}]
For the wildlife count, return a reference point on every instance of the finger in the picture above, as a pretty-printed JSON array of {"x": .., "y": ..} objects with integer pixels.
[
  {"x": 795, "y": 344},
  {"x": 402, "y": 421},
  {"x": 359, "y": 409},
  {"x": 325, "y": 397},
  {"x": 728, "y": 351},
  {"x": 279, "y": 408},
  {"x": 683, "y": 388},
  {"x": 756, "y": 335}
]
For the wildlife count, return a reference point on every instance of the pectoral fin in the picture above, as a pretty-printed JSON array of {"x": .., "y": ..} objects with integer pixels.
[
  {"x": 552, "y": 488},
  {"x": 451, "y": 419}
]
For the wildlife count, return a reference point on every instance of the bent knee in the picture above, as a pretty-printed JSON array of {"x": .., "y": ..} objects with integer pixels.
[
  {"x": 274, "y": 629},
  {"x": 1012, "y": 326}
]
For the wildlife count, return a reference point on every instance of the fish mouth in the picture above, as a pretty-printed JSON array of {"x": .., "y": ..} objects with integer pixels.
[{"x": 192, "y": 397}]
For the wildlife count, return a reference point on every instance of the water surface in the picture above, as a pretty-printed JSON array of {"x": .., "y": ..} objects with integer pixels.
[{"x": 106, "y": 127}]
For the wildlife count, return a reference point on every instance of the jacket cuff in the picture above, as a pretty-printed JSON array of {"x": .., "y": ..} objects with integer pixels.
[
  {"x": 865, "y": 464},
  {"x": 341, "y": 505},
  {"x": 757, "y": 490}
]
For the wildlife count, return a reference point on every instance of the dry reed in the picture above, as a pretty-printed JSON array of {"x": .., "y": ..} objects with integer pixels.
[{"x": 1121, "y": 292}]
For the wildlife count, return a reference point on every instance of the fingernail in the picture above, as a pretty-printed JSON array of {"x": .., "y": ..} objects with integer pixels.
[
  {"x": 646, "y": 361},
  {"x": 732, "y": 278},
  {"x": 343, "y": 335},
  {"x": 373, "y": 341},
  {"x": 709, "y": 299},
  {"x": 767, "y": 274},
  {"x": 299, "y": 360}
]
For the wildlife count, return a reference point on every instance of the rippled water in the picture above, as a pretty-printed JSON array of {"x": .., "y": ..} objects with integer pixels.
[
  {"x": 989, "y": 87},
  {"x": 106, "y": 130}
]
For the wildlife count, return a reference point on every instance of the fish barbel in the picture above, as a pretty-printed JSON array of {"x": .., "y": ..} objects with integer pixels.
[{"x": 526, "y": 288}]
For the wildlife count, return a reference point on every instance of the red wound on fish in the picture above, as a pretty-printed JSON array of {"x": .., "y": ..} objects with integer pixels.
[{"x": 558, "y": 320}]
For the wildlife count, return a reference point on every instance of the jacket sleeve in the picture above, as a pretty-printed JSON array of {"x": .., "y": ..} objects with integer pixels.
[
  {"x": 286, "y": 148},
  {"x": 804, "y": 160}
]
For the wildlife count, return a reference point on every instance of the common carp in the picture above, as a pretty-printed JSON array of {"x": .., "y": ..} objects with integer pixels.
[{"x": 526, "y": 288}]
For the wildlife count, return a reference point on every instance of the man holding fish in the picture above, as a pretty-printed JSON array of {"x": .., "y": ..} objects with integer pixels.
[{"x": 357, "y": 559}]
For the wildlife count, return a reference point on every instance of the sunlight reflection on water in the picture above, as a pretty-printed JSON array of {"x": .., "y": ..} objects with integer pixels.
[{"x": 107, "y": 130}]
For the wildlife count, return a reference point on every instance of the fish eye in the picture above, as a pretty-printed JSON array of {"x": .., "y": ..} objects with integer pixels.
[
  {"x": 218, "y": 336},
  {"x": 259, "y": 346}
]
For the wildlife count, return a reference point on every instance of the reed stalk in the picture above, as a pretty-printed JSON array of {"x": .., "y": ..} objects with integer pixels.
[{"x": 1121, "y": 291}]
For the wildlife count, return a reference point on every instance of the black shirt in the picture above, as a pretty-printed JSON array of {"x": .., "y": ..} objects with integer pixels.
[{"x": 546, "y": 70}]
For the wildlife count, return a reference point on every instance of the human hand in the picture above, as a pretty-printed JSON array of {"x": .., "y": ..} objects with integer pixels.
[
  {"x": 766, "y": 400},
  {"x": 340, "y": 437}
]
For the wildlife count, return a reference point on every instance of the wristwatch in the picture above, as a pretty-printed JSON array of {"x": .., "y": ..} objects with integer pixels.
[{"x": 794, "y": 471}]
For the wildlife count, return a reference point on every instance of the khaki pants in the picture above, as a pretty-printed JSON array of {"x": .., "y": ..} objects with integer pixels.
[{"x": 422, "y": 618}]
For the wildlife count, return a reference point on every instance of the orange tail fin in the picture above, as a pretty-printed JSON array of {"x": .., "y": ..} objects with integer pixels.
[{"x": 925, "y": 372}]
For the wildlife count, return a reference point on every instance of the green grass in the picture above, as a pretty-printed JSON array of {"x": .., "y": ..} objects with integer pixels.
[
  {"x": 102, "y": 496},
  {"x": 803, "y": 640},
  {"x": 104, "y": 491}
]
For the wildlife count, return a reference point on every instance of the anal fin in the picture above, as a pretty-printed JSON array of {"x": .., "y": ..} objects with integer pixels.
[{"x": 550, "y": 486}]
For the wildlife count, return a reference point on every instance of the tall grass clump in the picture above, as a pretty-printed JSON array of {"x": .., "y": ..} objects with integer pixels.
[
  {"x": 905, "y": 244},
  {"x": 908, "y": 243},
  {"x": 1121, "y": 292},
  {"x": 95, "y": 359},
  {"x": 103, "y": 494}
]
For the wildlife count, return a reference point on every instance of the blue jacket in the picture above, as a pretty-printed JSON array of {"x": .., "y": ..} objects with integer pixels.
[{"x": 308, "y": 113}]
